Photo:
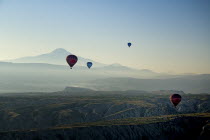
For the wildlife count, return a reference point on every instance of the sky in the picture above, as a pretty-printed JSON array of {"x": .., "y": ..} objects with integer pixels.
[{"x": 170, "y": 36}]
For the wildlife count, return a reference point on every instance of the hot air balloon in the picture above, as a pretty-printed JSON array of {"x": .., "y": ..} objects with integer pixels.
[
  {"x": 89, "y": 64},
  {"x": 175, "y": 99},
  {"x": 129, "y": 44},
  {"x": 71, "y": 60}
]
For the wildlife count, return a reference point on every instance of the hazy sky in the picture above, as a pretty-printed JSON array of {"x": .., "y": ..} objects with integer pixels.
[{"x": 167, "y": 36}]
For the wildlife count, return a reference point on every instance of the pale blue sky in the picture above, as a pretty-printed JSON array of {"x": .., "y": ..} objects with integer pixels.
[{"x": 167, "y": 35}]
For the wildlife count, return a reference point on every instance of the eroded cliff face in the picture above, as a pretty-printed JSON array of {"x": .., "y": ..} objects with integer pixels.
[
  {"x": 176, "y": 129},
  {"x": 43, "y": 113},
  {"x": 101, "y": 115}
]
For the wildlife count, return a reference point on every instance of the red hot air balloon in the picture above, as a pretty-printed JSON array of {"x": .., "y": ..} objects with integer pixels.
[
  {"x": 71, "y": 60},
  {"x": 175, "y": 99}
]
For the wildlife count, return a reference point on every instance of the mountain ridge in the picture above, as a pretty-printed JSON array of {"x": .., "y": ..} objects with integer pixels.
[{"x": 57, "y": 56}]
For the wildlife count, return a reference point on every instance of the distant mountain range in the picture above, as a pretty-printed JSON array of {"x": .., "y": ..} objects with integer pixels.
[
  {"x": 58, "y": 57},
  {"x": 50, "y": 72}
]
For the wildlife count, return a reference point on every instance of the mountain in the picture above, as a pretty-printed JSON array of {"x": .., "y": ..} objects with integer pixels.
[
  {"x": 124, "y": 71},
  {"x": 58, "y": 57}
]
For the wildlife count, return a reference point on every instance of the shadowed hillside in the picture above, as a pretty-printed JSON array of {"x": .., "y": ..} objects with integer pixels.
[{"x": 162, "y": 127}]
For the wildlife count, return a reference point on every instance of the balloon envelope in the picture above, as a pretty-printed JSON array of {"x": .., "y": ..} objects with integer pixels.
[
  {"x": 129, "y": 44},
  {"x": 175, "y": 99},
  {"x": 89, "y": 64},
  {"x": 71, "y": 60}
]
